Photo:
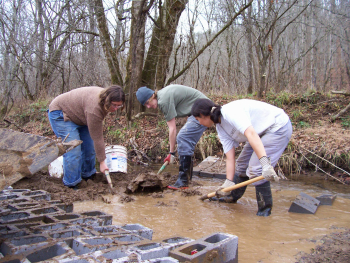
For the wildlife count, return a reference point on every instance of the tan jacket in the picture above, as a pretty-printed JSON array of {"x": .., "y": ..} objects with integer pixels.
[{"x": 81, "y": 107}]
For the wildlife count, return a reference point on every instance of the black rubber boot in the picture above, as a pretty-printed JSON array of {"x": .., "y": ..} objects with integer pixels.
[
  {"x": 185, "y": 173},
  {"x": 235, "y": 194},
  {"x": 264, "y": 199}
]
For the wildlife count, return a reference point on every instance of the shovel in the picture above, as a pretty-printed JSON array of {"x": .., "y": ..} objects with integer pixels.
[
  {"x": 163, "y": 167},
  {"x": 109, "y": 179},
  {"x": 228, "y": 189}
]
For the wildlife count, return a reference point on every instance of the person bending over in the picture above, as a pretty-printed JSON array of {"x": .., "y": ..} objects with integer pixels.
[
  {"x": 176, "y": 101},
  {"x": 79, "y": 114},
  {"x": 266, "y": 131}
]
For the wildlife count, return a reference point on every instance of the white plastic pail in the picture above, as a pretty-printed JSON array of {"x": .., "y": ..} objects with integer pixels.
[
  {"x": 116, "y": 158},
  {"x": 56, "y": 167}
]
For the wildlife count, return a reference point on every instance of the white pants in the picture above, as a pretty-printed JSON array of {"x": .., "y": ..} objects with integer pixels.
[{"x": 274, "y": 143}]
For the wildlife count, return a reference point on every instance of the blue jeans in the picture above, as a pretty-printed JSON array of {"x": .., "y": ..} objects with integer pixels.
[
  {"x": 80, "y": 162},
  {"x": 188, "y": 136}
]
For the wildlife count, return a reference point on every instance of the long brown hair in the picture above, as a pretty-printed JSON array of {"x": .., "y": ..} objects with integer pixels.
[{"x": 111, "y": 94}]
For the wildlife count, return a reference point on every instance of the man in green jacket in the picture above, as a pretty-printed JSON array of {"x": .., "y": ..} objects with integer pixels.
[{"x": 176, "y": 101}]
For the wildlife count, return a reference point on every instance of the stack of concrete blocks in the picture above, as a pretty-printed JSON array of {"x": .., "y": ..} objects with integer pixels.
[{"x": 34, "y": 228}]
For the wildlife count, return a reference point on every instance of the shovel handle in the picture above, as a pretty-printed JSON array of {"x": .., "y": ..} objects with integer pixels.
[
  {"x": 163, "y": 167},
  {"x": 108, "y": 178},
  {"x": 227, "y": 189}
]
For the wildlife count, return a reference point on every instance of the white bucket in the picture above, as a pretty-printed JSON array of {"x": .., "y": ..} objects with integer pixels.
[
  {"x": 56, "y": 167},
  {"x": 116, "y": 158}
]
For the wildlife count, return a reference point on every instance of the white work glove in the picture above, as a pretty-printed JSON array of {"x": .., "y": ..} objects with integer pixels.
[
  {"x": 267, "y": 170},
  {"x": 227, "y": 183},
  {"x": 170, "y": 158}
]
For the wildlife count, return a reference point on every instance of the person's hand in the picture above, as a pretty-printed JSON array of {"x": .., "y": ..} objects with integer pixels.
[
  {"x": 226, "y": 184},
  {"x": 103, "y": 166},
  {"x": 268, "y": 172},
  {"x": 170, "y": 158}
]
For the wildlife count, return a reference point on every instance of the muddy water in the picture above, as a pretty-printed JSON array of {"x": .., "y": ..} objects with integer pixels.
[{"x": 277, "y": 238}]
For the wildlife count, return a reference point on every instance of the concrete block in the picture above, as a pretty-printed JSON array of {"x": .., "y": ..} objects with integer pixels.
[
  {"x": 49, "y": 227},
  {"x": 139, "y": 229},
  {"x": 38, "y": 195},
  {"x": 83, "y": 245},
  {"x": 11, "y": 231},
  {"x": 326, "y": 199},
  {"x": 176, "y": 241},
  {"x": 8, "y": 196},
  {"x": 115, "y": 254},
  {"x": 68, "y": 208},
  {"x": 13, "y": 217},
  {"x": 64, "y": 234},
  {"x": 23, "y": 244},
  {"x": 150, "y": 250},
  {"x": 105, "y": 217},
  {"x": 52, "y": 252},
  {"x": 46, "y": 210},
  {"x": 14, "y": 259},
  {"x": 163, "y": 260},
  {"x": 65, "y": 217},
  {"x": 106, "y": 230},
  {"x": 304, "y": 204},
  {"x": 79, "y": 259},
  {"x": 218, "y": 247}
]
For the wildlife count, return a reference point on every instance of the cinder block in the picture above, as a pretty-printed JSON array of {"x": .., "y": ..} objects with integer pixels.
[
  {"x": 304, "y": 204},
  {"x": 64, "y": 234},
  {"x": 115, "y": 254},
  {"x": 14, "y": 259},
  {"x": 98, "y": 214},
  {"x": 68, "y": 208},
  {"x": 139, "y": 229},
  {"x": 326, "y": 199},
  {"x": 23, "y": 244},
  {"x": 38, "y": 195},
  {"x": 79, "y": 259},
  {"x": 52, "y": 252},
  {"x": 150, "y": 250},
  {"x": 50, "y": 227},
  {"x": 174, "y": 242},
  {"x": 46, "y": 210},
  {"x": 8, "y": 196},
  {"x": 83, "y": 245},
  {"x": 218, "y": 247},
  {"x": 13, "y": 217},
  {"x": 106, "y": 230},
  {"x": 163, "y": 260}
]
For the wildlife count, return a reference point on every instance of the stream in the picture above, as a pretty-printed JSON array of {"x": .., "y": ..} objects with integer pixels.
[{"x": 277, "y": 238}]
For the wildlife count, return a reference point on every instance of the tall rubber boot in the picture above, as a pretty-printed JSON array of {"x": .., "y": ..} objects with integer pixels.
[
  {"x": 235, "y": 194},
  {"x": 264, "y": 199},
  {"x": 184, "y": 173}
]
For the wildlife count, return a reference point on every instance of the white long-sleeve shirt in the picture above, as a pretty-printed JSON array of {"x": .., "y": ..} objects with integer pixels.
[{"x": 238, "y": 115}]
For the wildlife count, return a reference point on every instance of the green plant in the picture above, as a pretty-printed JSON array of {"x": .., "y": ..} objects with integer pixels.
[
  {"x": 345, "y": 122},
  {"x": 115, "y": 134},
  {"x": 303, "y": 124}
]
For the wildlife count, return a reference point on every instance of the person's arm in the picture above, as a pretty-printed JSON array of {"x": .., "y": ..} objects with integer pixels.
[
  {"x": 230, "y": 164},
  {"x": 255, "y": 141},
  {"x": 172, "y": 134}
]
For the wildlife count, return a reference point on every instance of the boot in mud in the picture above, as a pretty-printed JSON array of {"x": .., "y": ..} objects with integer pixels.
[
  {"x": 264, "y": 199},
  {"x": 235, "y": 194},
  {"x": 185, "y": 173}
]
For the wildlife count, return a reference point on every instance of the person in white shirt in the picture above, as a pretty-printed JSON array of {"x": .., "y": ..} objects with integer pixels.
[{"x": 266, "y": 131}]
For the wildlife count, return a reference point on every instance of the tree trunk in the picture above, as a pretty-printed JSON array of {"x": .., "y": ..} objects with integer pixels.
[
  {"x": 109, "y": 51},
  {"x": 161, "y": 46}
]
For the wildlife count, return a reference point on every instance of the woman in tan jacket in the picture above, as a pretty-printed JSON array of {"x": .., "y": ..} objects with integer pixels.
[{"x": 79, "y": 114}]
